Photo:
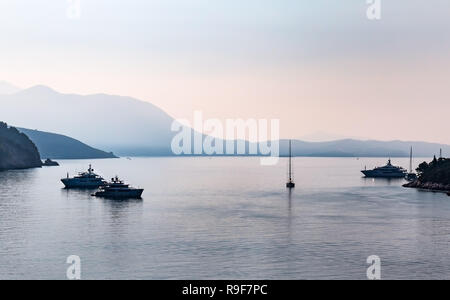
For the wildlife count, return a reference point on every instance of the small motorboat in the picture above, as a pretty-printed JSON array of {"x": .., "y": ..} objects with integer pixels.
[
  {"x": 50, "y": 163},
  {"x": 411, "y": 177},
  {"x": 117, "y": 189}
]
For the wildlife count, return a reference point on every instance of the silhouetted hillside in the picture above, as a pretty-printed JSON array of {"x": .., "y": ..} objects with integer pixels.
[
  {"x": 433, "y": 176},
  {"x": 437, "y": 171},
  {"x": 58, "y": 146},
  {"x": 17, "y": 151}
]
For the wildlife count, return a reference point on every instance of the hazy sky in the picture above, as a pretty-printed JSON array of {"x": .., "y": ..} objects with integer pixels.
[{"x": 317, "y": 65}]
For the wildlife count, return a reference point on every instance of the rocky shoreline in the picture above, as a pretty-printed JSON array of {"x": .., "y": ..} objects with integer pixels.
[
  {"x": 432, "y": 186},
  {"x": 433, "y": 176}
]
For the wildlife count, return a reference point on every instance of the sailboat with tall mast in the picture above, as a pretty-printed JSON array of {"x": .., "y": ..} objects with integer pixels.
[
  {"x": 290, "y": 184},
  {"x": 411, "y": 176}
]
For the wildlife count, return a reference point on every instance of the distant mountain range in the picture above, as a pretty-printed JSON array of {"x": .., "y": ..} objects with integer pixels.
[
  {"x": 357, "y": 148},
  {"x": 131, "y": 127},
  {"x": 56, "y": 146},
  {"x": 320, "y": 136}
]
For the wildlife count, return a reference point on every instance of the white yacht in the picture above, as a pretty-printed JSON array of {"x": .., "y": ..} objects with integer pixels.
[
  {"x": 388, "y": 171},
  {"x": 84, "y": 180}
]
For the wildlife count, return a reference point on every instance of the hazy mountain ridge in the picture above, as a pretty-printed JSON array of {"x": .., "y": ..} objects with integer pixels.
[
  {"x": 17, "y": 151},
  {"x": 7, "y": 88},
  {"x": 357, "y": 148},
  {"x": 131, "y": 127},
  {"x": 100, "y": 120}
]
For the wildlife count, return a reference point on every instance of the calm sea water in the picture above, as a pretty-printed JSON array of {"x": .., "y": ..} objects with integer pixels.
[{"x": 223, "y": 218}]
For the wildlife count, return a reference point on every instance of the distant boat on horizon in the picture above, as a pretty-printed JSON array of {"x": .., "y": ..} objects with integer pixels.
[{"x": 50, "y": 163}]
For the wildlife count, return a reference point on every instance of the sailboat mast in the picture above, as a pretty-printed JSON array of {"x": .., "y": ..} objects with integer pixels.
[
  {"x": 410, "y": 161},
  {"x": 290, "y": 184},
  {"x": 290, "y": 161}
]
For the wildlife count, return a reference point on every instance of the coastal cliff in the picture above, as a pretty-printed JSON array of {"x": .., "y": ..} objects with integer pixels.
[
  {"x": 17, "y": 151},
  {"x": 433, "y": 176}
]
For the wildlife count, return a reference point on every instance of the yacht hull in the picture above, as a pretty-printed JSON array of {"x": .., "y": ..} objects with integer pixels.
[
  {"x": 375, "y": 174},
  {"x": 71, "y": 183},
  {"x": 290, "y": 185},
  {"x": 118, "y": 194}
]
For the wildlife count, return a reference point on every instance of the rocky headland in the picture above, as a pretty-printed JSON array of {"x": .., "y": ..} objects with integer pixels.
[
  {"x": 434, "y": 176},
  {"x": 17, "y": 151}
]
